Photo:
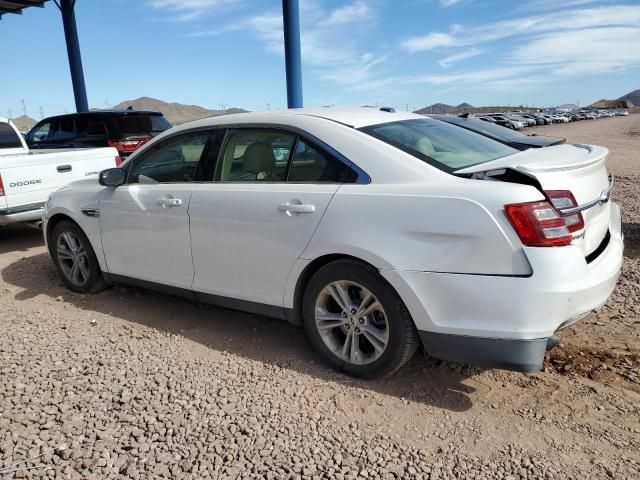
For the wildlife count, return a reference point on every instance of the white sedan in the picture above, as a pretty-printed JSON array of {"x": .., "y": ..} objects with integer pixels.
[{"x": 377, "y": 231}]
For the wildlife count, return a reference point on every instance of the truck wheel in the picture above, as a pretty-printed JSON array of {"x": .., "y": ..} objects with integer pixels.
[
  {"x": 356, "y": 321},
  {"x": 75, "y": 259}
]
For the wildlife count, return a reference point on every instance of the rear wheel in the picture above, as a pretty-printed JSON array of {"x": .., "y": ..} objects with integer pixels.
[
  {"x": 356, "y": 321},
  {"x": 75, "y": 259}
]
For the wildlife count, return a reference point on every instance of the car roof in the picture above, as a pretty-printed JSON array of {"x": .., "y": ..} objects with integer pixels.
[{"x": 356, "y": 117}]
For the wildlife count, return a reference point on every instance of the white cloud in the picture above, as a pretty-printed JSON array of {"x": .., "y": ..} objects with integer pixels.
[
  {"x": 187, "y": 10},
  {"x": 456, "y": 57},
  {"x": 460, "y": 36},
  {"x": 583, "y": 52},
  {"x": 430, "y": 41},
  {"x": 355, "y": 11},
  {"x": 448, "y": 3}
]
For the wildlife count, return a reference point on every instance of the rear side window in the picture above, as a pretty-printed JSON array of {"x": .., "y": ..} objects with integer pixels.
[
  {"x": 141, "y": 123},
  {"x": 8, "y": 137},
  {"x": 91, "y": 126},
  {"x": 309, "y": 164},
  {"x": 444, "y": 146},
  {"x": 256, "y": 156},
  {"x": 64, "y": 129}
]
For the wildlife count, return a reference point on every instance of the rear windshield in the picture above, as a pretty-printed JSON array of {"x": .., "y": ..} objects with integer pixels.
[
  {"x": 444, "y": 146},
  {"x": 8, "y": 137},
  {"x": 488, "y": 128},
  {"x": 141, "y": 123}
]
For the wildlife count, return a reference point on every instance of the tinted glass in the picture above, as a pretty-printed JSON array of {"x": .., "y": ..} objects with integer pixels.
[
  {"x": 64, "y": 129},
  {"x": 90, "y": 126},
  {"x": 311, "y": 165},
  {"x": 141, "y": 123},
  {"x": 487, "y": 128},
  {"x": 39, "y": 132},
  {"x": 174, "y": 161},
  {"x": 440, "y": 144},
  {"x": 256, "y": 155},
  {"x": 8, "y": 137}
]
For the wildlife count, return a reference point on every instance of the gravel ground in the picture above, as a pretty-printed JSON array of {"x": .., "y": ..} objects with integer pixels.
[{"x": 132, "y": 384}]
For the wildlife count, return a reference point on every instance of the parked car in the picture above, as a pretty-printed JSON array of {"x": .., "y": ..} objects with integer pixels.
[
  {"x": 28, "y": 177},
  {"x": 375, "y": 230},
  {"x": 526, "y": 122},
  {"x": 507, "y": 122},
  {"x": 124, "y": 130},
  {"x": 503, "y": 135}
]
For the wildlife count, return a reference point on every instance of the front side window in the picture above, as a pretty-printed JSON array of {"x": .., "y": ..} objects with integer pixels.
[
  {"x": 173, "y": 161},
  {"x": 444, "y": 146},
  {"x": 8, "y": 137},
  {"x": 255, "y": 156},
  {"x": 40, "y": 132}
]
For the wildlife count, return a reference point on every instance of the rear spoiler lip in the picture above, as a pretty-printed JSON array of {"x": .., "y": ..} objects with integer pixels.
[
  {"x": 604, "y": 197},
  {"x": 594, "y": 155}
]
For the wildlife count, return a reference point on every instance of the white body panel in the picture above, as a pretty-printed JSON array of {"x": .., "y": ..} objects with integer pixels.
[
  {"x": 442, "y": 241},
  {"x": 244, "y": 244},
  {"x": 143, "y": 238}
]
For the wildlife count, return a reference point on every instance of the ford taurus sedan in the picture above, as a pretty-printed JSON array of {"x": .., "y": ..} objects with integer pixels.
[{"x": 377, "y": 231}]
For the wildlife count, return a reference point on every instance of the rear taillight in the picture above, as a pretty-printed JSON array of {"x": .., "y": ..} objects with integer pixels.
[
  {"x": 128, "y": 144},
  {"x": 538, "y": 224},
  {"x": 1, "y": 188},
  {"x": 118, "y": 160},
  {"x": 562, "y": 199}
]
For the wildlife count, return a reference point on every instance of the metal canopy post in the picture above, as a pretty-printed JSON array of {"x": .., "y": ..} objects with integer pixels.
[
  {"x": 73, "y": 51},
  {"x": 292, "y": 55}
]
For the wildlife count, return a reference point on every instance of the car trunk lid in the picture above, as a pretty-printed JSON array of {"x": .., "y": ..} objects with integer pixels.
[{"x": 578, "y": 168}]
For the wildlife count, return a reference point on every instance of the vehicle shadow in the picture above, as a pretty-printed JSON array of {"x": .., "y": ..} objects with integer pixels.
[
  {"x": 631, "y": 233},
  {"x": 423, "y": 379},
  {"x": 19, "y": 238}
]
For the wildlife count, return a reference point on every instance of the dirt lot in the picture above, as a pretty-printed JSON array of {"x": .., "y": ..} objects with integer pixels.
[{"x": 132, "y": 384}]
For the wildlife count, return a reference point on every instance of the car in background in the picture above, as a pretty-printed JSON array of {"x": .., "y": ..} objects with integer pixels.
[
  {"x": 516, "y": 140},
  {"x": 528, "y": 122},
  {"x": 375, "y": 230},
  {"x": 124, "y": 130},
  {"x": 508, "y": 122}
]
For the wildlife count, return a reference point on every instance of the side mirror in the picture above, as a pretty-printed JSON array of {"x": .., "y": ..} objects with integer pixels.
[{"x": 111, "y": 177}]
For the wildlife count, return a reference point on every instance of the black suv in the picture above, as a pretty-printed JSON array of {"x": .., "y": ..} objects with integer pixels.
[{"x": 124, "y": 130}]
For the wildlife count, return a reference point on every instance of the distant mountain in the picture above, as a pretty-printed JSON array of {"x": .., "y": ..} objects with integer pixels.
[
  {"x": 24, "y": 123},
  {"x": 633, "y": 97},
  {"x": 176, "y": 113},
  {"x": 440, "y": 108},
  {"x": 568, "y": 106}
]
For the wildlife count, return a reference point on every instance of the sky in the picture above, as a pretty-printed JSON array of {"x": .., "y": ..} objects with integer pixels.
[{"x": 401, "y": 53}]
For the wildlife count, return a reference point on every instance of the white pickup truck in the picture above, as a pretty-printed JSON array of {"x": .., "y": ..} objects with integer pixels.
[{"x": 28, "y": 177}]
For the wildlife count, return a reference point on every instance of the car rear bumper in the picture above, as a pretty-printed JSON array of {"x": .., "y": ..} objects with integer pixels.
[
  {"x": 23, "y": 213},
  {"x": 491, "y": 312},
  {"x": 517, "y": 355}
]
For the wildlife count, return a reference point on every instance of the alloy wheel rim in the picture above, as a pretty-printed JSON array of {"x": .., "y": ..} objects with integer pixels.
[
  {"x": 352, "y": 322},
  {"x": 73, "y": 258}
]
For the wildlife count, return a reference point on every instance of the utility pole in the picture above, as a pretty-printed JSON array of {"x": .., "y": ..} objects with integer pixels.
[
  {"x": 41, "y": 113},
  {"x": 9, "y": 112},
  {"x": 268, "y": 107},
  {"x": 24, "y": 110}
]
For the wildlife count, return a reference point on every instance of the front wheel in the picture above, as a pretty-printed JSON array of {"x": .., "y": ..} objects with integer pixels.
[
  {"x": 356, "y": 321},
  {"x": 75, "y": 259}
]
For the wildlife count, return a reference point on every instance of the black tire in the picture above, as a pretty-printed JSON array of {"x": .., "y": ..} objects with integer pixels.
[
  {"x": 403, "y": 337},
  {"x": 94, "y": 281}
]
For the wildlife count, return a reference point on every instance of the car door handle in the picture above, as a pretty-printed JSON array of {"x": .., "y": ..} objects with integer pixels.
[
  {"x": 63, "y": 168},
  {"x": 296, "y": 208},
  {"x": 170, "y": 202}
]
